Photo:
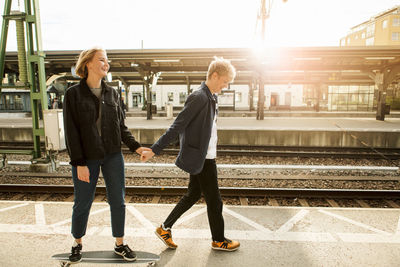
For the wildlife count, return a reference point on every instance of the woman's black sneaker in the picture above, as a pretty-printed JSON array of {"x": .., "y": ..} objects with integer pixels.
[
  {"x": 124, "y": 251},
  {"x": 76, "y": 255}
]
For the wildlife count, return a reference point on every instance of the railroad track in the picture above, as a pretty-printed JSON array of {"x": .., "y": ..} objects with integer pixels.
[
  {"x": 331, "y": 196},
  {"x": 271, "y": 151}
]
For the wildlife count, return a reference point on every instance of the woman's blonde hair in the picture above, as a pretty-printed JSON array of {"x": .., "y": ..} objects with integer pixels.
[
  {"x": 222, "y": 67},
  {"x": 85, "y": 57}
]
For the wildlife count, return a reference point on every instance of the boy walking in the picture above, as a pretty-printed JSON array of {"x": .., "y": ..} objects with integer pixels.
[{"x": 197, "y": 130}]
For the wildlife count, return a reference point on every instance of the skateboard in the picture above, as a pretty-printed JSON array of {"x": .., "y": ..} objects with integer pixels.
[{"x": 107, "y": 257}]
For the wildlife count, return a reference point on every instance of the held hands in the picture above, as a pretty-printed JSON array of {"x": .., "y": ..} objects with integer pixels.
[{"x": 146, "y": 155}]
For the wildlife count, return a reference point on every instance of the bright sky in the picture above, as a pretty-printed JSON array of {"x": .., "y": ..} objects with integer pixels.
[{"x": 123, "y": 24}]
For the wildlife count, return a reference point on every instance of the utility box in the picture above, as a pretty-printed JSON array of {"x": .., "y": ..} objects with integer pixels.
[{"x": 54, "y": 129}]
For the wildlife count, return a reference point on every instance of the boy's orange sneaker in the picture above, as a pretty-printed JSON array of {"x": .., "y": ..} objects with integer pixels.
[
  {"x": 166, "y": 237},
  {"x": 226, "y": 245}
]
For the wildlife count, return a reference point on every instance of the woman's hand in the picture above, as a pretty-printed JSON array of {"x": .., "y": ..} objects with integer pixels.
[{"x": 83, "y": 174}]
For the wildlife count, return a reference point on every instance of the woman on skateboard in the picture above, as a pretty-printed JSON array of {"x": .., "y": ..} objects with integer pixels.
[{"x": 94, "y": 128}]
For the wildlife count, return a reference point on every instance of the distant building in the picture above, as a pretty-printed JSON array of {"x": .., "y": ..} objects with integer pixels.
[{"x": 382, "y": 29}]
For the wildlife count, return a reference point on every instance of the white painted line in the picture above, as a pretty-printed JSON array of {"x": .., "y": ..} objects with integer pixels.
[
  {"x": 246, "y": 220},
  {"x": 39, "y": 214},
  {"x": 398, "y": 227},
  {"x": 292, "y": 221},
  {"x": 205, "y": 234},
  {"x": 18, "y": 162},
  {"x": 190, "y": 216},
  {"x": 368, "y": 238},
  {"x": 300, "y": 237},
  {"x": 273, "y": 167},
  {"x": 41, "y": 229},
  {"x": 32, "y": 229},
  {"x": 14, "y": 207},
  {"x": 138, "y": 215},
  {"x": 233, "y": 234},
  {"x": 307, "y": 167},
  {"x": 69, "y": 219},
  {"x": 61, "y": 223},
  {"x": 362, "y": 225},
  {"x": 92, "y": 230}
]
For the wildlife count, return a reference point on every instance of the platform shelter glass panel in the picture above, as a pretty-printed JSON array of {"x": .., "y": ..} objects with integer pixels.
[{"x": 351, "y": 98}]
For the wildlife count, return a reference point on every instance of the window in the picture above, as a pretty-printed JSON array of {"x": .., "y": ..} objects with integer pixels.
[
  {"x": 364, "y": 89},
  {"x": 395, "y": 36},
  {"x": 182, "y": 97},
  {"x": 369, "y": 41},
  {"x": 18, "y": 102},
  {"x": 348, "y": 40},
  {"x": 363, "y": 35},
  {"x": 370, "y": 30},
  {"x": 238, "y": 97},
  {"x": 333, "y": 89},
  {"x": 343, "y": 89},
  {"x": 170, "y": 96},
  {"x": 343, "y": 42},
  {"x": 153, "y": 97},
  {"x": 396, "y": 22},
  {"x": 384, "y": 24},
  {"x": 353, "y": 88}
]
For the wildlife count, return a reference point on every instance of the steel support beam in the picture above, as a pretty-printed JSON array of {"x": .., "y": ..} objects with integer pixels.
[{"x": 35, "y": 62}]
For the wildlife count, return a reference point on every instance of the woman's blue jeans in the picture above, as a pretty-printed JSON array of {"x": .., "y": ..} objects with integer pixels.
[{"x": 112, "y": 167}]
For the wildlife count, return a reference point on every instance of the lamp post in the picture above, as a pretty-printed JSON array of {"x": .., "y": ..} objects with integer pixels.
[{"x": 263, "y": 15}]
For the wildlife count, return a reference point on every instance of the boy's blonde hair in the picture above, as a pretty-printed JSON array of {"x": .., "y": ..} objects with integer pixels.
[
  {"x": 85, "y": 57},
  {"x": 222, "y": 67}
]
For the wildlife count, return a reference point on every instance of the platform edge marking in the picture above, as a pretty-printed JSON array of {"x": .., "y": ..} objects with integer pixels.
[
  {"x": 69, "y": 219},
  {"x": 362, "y": 225},
  {"x": 247, "y": 220},
  {"x": 14, "y": 207},
  {"x": 142, "y": 219},
  {"x": 292, "y": 221},
  {"x": 190, "y": 216},
  {"x": 39, "y": 214}
]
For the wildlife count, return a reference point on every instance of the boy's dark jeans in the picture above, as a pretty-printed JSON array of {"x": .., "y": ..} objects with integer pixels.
[{"x": 205, "y": 182}]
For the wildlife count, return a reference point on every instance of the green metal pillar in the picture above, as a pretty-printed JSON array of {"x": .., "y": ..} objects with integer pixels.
[
  {"x": 35, "y": 62},
  {"x": 3, "y": 42},
  {"x": 23, "y": 71}
]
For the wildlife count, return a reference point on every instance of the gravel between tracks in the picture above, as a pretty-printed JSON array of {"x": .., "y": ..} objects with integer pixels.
[{"x": 326, "y": 182}]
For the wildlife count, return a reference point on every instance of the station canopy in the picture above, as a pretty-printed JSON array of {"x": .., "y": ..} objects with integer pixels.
[{"x": 305, "y": 65}]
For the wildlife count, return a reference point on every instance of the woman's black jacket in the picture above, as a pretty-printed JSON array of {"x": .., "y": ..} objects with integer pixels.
[{"x": 81, "y": 110}]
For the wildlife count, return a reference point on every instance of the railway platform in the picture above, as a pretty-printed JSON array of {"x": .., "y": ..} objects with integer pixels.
[
  {"x": 247, "y": 131},
  {"x": 135, "y": 112},
  {"x": 30, "y": 232}
]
